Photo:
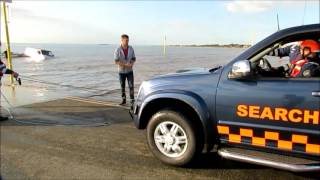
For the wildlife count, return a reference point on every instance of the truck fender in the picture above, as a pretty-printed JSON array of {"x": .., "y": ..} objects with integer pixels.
[{"x": 191, "y": 99}]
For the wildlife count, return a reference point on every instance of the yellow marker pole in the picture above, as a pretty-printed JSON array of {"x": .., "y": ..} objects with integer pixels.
[
  {"x": 8, "y": 39},
  {"x": 164, "y": 45}
]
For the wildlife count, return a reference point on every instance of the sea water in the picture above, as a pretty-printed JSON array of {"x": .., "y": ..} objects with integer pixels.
[{"x": 92, "y": 66}]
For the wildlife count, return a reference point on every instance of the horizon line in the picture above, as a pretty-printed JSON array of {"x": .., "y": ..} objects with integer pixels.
[{"x": 191, "y": 44}]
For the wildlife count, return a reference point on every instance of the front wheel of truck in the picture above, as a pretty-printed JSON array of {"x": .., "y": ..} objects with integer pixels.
[{"x": 172, "y": 138}]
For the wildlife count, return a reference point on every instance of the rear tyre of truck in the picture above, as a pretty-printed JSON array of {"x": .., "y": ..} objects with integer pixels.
[{"x": 172, "y": 138}]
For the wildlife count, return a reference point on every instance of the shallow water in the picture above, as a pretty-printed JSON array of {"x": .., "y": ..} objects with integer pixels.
[{"x": 92, "y": 66}]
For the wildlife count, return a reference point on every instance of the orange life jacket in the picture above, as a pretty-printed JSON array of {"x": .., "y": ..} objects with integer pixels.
[{"x": 296, "y": 67}]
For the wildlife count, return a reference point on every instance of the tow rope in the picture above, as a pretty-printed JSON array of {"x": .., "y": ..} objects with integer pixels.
[
  {"x": 27, "y": 78},
  {"x": 46, "y": 123}
]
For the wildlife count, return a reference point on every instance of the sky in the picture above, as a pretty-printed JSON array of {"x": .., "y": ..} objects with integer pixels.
[{"x": 148, "y": 22}]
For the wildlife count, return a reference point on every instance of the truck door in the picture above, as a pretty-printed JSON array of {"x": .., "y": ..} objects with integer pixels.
[{"x": 270, "y": 113}]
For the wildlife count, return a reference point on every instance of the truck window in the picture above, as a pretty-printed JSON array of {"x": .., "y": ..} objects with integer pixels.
[{"x": 279, "y": 63}]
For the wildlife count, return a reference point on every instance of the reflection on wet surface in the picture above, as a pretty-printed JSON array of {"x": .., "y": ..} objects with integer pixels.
[{"x": 69, "y": 111}]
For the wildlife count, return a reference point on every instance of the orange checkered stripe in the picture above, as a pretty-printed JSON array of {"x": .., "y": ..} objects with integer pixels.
[{"x": 296, "y": 142}]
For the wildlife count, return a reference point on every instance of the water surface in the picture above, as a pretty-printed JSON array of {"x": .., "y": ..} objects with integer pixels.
[{"x": 92, "y": 66}]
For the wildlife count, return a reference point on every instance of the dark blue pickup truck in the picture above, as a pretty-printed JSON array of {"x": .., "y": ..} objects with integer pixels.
[{"x": 245, "y": 111}]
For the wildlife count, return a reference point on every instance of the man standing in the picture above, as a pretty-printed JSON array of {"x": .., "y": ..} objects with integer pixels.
[{"x": 125, "y": 58}]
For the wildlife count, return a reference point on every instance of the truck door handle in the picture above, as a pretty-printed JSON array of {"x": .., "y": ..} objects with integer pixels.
[{"x": 316, "y": 93}]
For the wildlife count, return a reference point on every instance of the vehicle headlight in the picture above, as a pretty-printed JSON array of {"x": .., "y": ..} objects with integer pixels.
[{"x": 140, "y": 92}]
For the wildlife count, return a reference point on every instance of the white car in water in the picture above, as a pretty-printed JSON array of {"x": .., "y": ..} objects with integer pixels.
[{"x": 38, "y": 54}]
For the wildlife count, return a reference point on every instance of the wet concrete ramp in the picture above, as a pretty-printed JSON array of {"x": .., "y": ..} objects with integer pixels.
[
  {"x": 70, "y": 111},
  {"x": 116, "y": 151}
]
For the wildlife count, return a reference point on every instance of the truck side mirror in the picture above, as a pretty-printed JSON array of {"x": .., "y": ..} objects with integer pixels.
[{"x": 241, "y": 70}]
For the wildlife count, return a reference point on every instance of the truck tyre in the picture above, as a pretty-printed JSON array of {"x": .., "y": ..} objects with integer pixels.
[{"x": 172, "y": 138}]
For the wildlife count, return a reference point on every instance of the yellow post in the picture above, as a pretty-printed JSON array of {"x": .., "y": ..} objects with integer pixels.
[
  {"x": 164, "y": 45},
  {"x": 7, "y": 38}
]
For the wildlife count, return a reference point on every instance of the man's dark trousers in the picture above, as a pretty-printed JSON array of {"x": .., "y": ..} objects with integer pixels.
[{"x": 129, "y": 77}]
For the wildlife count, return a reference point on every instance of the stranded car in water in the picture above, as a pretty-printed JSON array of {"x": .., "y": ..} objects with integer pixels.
[{"x": 271, "y": 121}]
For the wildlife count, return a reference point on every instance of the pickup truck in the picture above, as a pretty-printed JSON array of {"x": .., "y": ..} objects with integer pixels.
[{"x": 236, "y": 110}]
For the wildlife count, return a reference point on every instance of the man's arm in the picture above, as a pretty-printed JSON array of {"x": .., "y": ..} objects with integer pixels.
[
  {"x": 116, "y": 56},
  {"x": 133, "y": 59},
  {"x": 121, "y": 63},
  {"x": 4, "y": 70},
  {"x": 281, "y": 52}
]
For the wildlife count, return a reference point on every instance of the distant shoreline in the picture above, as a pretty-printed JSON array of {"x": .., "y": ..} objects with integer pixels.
[
  {"x": 169, "y": 45},
  {"x": 216, "y": 45}
]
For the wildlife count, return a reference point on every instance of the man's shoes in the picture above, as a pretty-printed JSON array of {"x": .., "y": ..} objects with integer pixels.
[
  {"x": 3, "y": 118},
  {"x": 123, "y": 102}
]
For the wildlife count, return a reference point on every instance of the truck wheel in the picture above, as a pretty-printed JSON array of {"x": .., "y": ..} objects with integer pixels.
[{"x": 172, "y": 138}]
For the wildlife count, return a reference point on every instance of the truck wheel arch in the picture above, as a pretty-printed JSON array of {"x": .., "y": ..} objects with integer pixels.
[{"x": 193, "y": 105}]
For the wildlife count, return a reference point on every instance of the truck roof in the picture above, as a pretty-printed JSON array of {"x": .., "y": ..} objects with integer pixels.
[{"x": 304, "y": 29}]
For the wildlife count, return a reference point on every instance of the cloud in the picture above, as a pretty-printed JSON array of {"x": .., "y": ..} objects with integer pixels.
[
  {"x": 27, "y": 25},
  {"x": 21, "y": 13},
  {"x": 240, "y": 6}
]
